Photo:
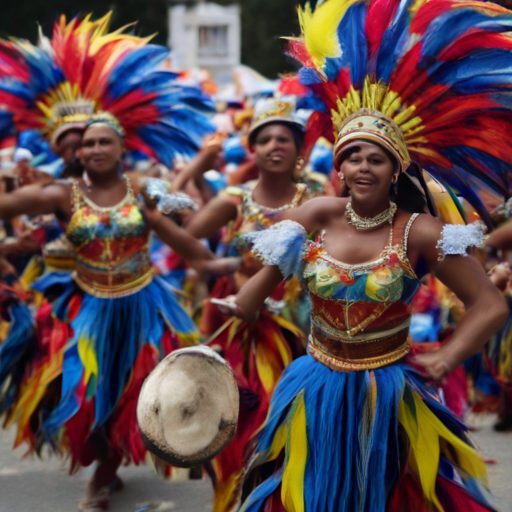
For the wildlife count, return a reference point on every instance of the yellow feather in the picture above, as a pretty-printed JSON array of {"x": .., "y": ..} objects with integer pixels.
[
  {"x": 32, "y": 271},
  {"x": 390, "y": 105},
  {"x": 278, "y": 443},
  {"x": 425, "y": 448},
  {"x": 429, "y": 438},
  {"x": 413, "y": 123},
  {"x": 4, "y": 329},
  {"x": 404, "y": 115},
  {"x": 44, "y": 109},
  {"x": 88, "y": 358},
  {"x": 319, "y": 29},
  {"x": 292, "y": 486}
]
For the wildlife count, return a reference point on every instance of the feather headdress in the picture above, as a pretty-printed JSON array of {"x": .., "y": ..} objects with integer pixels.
[
  {"x": 439, "y": 73},
  {"x": 84, "y": 69}
]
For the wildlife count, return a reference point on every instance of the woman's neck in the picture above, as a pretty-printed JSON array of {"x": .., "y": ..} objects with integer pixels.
[
  {"x": 274, "y": 190},
  {"x": 104, "y": 180},
  {"x": 369, "y": 210}
]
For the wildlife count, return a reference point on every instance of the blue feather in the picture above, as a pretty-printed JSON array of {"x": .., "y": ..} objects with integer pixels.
[
  {"x": 486, "y": 71},
  {"x": 133, "y": 69},
  {"x": 391, "y": 50},
  {"x": 309, "y": 76},
  {"x": 446, "y": 28}
]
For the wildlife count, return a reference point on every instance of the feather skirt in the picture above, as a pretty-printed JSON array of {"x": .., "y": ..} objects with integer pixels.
[
  {"x": 80, "y": 389},
  {"x": 369, "y": 441}
]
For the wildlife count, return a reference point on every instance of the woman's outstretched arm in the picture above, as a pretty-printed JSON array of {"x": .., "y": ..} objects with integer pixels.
[
  {"x": 183, "y": 243},
  {"x": 35, "y": 200}
]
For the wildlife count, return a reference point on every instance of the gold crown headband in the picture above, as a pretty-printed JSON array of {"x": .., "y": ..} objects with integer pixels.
[{"x": 372, "y": 126}]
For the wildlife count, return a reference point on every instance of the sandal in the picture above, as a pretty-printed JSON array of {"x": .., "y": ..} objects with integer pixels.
[{"x": 97, "y": 504}]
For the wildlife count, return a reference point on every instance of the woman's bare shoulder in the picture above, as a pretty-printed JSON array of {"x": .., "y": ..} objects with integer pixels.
[{"x": 316, "y": 213}]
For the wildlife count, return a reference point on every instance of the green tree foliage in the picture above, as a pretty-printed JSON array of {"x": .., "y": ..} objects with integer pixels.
[
  {"x": 21, "y": 18},
  {"x": 263, "y": 23}
]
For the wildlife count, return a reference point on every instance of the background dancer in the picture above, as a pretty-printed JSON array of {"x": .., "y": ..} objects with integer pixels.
[{"x": 259, "y": 352}]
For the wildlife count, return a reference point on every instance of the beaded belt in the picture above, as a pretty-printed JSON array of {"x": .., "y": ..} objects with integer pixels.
[
  {"x": 347, "y": 355},
  {"x": 117, "y": 289}
]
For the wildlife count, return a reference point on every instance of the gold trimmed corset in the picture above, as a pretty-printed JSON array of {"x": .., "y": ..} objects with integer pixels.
[
  {"x": 112, "y": 283},
  {"x": 363, "y": 352}
]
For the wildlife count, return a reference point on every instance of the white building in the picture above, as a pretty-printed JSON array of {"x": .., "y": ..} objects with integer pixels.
[{"x": 205, "y": 35}]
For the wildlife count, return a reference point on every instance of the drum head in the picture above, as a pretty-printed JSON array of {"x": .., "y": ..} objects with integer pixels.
[{"x": 188, "y": 407}]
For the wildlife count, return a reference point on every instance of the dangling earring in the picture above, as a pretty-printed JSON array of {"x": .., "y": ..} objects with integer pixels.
[
  {"x": 341, "y": 176},
  {"x": 299, "y": 164}
]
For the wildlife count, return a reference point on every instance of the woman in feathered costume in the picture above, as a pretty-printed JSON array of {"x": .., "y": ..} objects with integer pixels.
[
  {"x": 113, "y": 320},
  {"x": 355, "y": 425}
]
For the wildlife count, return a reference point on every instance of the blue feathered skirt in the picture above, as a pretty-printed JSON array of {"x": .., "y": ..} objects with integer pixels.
[
  {"x": 369, "y": 441},
  {"x": 80, "y": 391}
]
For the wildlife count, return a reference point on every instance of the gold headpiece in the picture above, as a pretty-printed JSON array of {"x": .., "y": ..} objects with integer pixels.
[
  {"x": 373, "y": 126},
  {"x": 70, "y": 115},
  {"x": 270, "y": 110},
  {"x": 107, "y": 119}
]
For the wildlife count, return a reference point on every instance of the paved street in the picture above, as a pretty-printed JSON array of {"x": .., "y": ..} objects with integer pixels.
[{"x": 42, "y": 486}]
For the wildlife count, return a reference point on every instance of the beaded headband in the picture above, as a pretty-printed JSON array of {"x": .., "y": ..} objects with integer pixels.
[
  {"x": 373, "y": 126},
  {"x": 106, "y": 119}
]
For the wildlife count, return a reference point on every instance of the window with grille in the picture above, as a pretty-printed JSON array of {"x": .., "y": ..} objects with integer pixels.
[{"x": 213, "y": 41}]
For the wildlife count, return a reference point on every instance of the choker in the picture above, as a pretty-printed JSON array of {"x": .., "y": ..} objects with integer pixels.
[{"x": 369, "y": 223}]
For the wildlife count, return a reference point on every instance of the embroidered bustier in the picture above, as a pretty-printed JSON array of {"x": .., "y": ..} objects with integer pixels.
[
  {"x": 360, "y": 313},
  {"x": 111, "y": 245}
]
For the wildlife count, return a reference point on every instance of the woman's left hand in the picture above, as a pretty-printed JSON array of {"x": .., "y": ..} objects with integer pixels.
[{"x": 435, "y": 363}]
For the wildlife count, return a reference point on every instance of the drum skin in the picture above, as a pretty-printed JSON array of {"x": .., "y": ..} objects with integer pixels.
[{"x": 188, "y": 407}]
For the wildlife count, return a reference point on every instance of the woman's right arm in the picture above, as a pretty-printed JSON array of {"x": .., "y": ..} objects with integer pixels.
[
  {"x": 253, "y": 293},
  {"x": 202, "y": 162},
  {"x": 214, "y": 216},
  {"x": 35, "y": 200}
]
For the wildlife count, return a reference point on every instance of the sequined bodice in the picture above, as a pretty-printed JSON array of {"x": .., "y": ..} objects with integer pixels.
[
  {"x": 111, "y": 244},
  {"x": 357, "y": 298},
  {"x": 356, "y": 305},
  {"x": 256, "y": 217}
]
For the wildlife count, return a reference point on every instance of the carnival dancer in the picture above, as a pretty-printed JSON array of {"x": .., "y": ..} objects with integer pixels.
[
  {"x": 113, "y": 319},
  {"x": 259, "y": 352},
  {"x": 352, "y": 425}
]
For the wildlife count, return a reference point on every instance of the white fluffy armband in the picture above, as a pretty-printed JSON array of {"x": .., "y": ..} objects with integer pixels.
[
  {"x": 167, "y": 203},
  {"x": 282, "y": 245},
  {"x": 456, "y": 239}
]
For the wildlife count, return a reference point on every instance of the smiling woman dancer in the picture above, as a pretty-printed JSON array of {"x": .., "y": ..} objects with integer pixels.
[
  {"x": 113, "y": 318},
  {"x": 120, "y": 319},
  {"x": 353, "y": 426}
]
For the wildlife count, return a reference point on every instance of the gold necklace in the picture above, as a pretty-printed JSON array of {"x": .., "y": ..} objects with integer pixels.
[{"x": 369, "y": 223}]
